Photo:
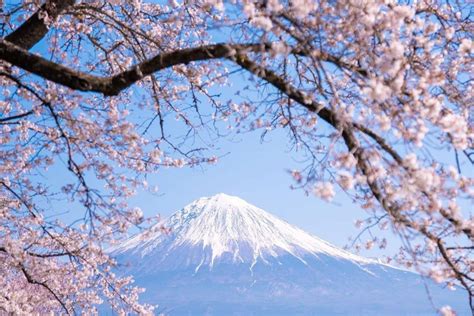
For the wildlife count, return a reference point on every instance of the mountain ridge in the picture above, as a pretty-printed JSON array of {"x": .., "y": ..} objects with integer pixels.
[
  {"x": 221, "y": 222},
  {"x": 225, "y": 256}
]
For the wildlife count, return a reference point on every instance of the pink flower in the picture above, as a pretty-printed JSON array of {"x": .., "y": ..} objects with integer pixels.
[{"x": 324, "y": 190}]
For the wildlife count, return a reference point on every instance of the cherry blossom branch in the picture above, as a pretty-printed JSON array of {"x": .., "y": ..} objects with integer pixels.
[
  {"x": 15, "y": 117},
  {"x": 399, "y": 160},
  {"x": 113, "y": 85},
  {"x": 43, "y": 255},
  {"x": 354, "y": 147},
  {"x": 397, "y": 72},
  {"x": 36, "y": 27},
  {"x": 31, "y": 280}
]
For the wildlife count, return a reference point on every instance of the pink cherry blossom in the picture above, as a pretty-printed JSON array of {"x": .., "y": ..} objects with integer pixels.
[{"x": 375, "y": 95}]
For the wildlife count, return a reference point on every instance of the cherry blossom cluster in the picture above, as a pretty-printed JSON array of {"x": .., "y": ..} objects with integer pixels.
[{"x": 376, "y": 96}]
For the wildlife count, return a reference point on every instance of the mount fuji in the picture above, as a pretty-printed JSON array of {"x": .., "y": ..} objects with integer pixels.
[{"x": 224, "y": 256}]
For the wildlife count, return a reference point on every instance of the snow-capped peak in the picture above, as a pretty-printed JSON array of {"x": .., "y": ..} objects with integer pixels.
[
  {"x": 226, "y": 256},
  {"x": 224, "y": 225}
]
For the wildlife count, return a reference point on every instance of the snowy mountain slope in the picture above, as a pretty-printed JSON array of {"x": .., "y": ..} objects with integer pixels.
[
  {"x": 227, "y": 225},
  {"x": 224, "y": 256}
]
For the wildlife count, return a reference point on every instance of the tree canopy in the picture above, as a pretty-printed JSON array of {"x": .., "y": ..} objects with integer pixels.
[{"x": 376, "y": 94}]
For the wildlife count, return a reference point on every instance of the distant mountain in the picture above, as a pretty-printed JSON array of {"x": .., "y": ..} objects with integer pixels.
[{"x": 224, "y": 256}]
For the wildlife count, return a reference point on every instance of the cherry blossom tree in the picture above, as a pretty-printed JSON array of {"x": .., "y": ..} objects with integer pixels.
[{"x": 376, "y": 94}]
